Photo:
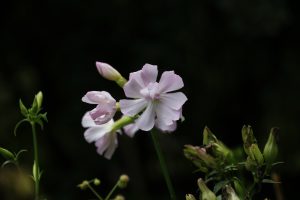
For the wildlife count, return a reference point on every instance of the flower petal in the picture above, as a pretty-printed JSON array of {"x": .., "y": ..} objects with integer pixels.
[
  {"x": 132, "y": 107},
  {"x": 102, "y": 113},
  {"x": 97, "y": 97},
  {"x": 146, "y": 121},
  {"x": 170, "y": 81},
  {"x": 112, "y": 146},
  {"x": 166, "y": 128},
  {"x": 102, "y": 144},
  {"x": 166, "y": 115},
  {"x": 173, "y": 100},
  {"x": 96, "y": 132},
  {"x": 130, "y": 129},
  {"x": 87, "y": 120},
  {"x": 149, "y": 73},
  {"x": 132, "y": 88}
]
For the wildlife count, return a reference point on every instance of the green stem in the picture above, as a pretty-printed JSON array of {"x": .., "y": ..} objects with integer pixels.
[
  {"x": 94, "y": 192},
  {"x": 112, "y": 191},
  {"x": 163, "y": 165},
  {"x": 36, "y": 161}
]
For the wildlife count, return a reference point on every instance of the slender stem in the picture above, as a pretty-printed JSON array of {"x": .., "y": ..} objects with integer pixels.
[
  {"x": 94, "y": 192},
  {"x": 112, "y": 191},
  {"x": 36, "y": 161},
  {"x": 163, "y": 165}
]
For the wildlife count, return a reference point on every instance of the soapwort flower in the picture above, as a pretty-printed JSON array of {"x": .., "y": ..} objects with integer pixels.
[{"x": 160, "y": 107}]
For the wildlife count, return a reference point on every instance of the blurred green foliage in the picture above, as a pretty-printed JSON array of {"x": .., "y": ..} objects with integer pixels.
[{"x": 239, "y": 61}]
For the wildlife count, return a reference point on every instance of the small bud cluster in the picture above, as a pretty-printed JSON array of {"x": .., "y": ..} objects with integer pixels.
[
  {"x": 227, "y": 170},
  {"x": 121, "y": 183}
]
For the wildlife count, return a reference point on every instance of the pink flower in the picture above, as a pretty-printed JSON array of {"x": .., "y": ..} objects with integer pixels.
[
  {"x": 103, "y": 136},
  {"x": 107, "y": 71},
  {"x": 105, "y": 109},
  {"x": 159, "y": 107}
]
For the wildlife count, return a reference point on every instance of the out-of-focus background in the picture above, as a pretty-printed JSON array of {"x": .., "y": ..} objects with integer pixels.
[{"x": 239, "y": 60}]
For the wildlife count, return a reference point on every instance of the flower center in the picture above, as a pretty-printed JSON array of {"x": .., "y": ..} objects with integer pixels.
[{"x": 151, "y": 91}]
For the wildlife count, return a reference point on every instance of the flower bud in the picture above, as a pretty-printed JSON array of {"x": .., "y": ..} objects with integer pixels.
[
  {"x": 119, "y": 197},
  {"x": 250, "y": 164},
  {"x": 96, "y": 181},
  {"x": 248, "y": 138},
  {"x": 199, "y": 157},
  {"x": 189, "y": 197},
  {"x": 256, "y": 155},
  {"x": 110, "y": 73},
  {"x": 39, "y": 99},
  {"x": 83, "y": 185},
  {"x": 238, "y": 187},
  {"x": 107, "y": 71},
  {"x": 271, "y": 149},
  {"x": 229, "y": 193},
  {"x": 123, "y": 181},
  {"x": 206, "y": 193}
]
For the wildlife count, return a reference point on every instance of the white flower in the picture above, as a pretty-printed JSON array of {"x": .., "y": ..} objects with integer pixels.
[{"x": 105, "y": 139}]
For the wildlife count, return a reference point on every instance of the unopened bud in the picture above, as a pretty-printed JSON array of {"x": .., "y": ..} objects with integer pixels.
[
  {"x": 39, "y": 99},
  {"x": 229, "y": 193},
  {"x": 250, "y": 164},
  {"x": 123, "y": 181},
  {"x": 256, "y": 155},
  {"x": 110, "y": 73},
  {"x": 239, "y": 188},
  {"x": 199, "y": 157},
  {"x": 206, "y": 193},
  {"x": 248, "y": 138},
  {"x": 83, "y": 185},
  {"x": 96, "y": 181},
  {"x": 189, "y": 197},
  {"x": 271, "y": 148},
  {"x": 119, "y": 197}
]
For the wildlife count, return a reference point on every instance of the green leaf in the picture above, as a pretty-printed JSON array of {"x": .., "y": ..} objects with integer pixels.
[
  {"x": 270, "y": 181},
  {"x": 23, "y": 109},
  {"x": 218, "y": 186},
  {"x": 7, "y": 154},
  {"x": 18, "y": 124}
]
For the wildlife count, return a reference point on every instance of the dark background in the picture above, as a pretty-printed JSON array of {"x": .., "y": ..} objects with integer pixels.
[{"x": 239, "y": 61}]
